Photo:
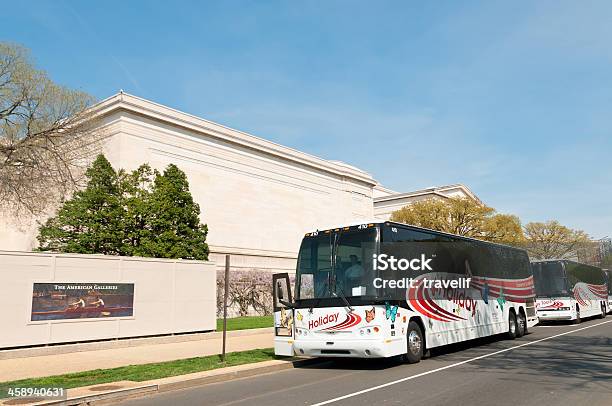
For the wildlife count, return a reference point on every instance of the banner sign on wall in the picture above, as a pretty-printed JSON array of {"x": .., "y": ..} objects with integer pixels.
[{"x": 61, "y": 300}]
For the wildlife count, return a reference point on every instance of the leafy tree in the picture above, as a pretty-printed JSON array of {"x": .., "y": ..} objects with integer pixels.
[
  {"x": 462, "y": 217},
  {"x": 47, "y": 132},
  {"x": 504, "y": 228},
  {"x": 605, "y": 253},
  {"x": 552, "y": 240},
  {"x": 141, "y": 213},
  {"x": 90, "y": 222},
  {"x": 606, "y": 262}
]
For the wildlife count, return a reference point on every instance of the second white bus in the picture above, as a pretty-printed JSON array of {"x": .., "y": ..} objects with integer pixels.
[{"x": 568, "y": 290}]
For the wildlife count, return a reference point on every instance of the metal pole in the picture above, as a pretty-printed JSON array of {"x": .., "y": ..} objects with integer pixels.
[{"x": 227, "y": 268}]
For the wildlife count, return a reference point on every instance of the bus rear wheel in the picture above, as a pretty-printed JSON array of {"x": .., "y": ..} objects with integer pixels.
[
  {"x": 578, "y": 320},
  {"x": 522, "y": 325},
  {"x": 415, "y": 343},
  {"x": 603, "y": 311},
  {"x": 512, "y": 326}
]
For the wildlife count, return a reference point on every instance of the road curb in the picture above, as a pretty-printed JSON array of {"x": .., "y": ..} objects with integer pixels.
[
  {"x": 159, "y": 386},
  {"x": 113, "y": 395}
]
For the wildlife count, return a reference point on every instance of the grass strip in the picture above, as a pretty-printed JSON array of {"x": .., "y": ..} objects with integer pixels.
[
  {"x": 144, "y": 372},
  {"x": 244, "y": 323}
]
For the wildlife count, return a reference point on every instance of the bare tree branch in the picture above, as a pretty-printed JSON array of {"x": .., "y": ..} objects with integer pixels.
[{"x": 48, "y": 134}]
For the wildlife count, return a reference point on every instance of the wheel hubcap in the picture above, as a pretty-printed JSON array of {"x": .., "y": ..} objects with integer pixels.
[
  {"x": 414, "y": 342},
  {"x": 512, "y": 326}
]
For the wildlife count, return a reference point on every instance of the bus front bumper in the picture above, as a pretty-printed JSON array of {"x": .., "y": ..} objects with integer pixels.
[
  {"x": 370, "y": 348},
  {"x": 550, "y": 315}
]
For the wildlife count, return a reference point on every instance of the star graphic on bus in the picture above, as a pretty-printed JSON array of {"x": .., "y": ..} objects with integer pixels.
[{"x": 485, "y": 293}]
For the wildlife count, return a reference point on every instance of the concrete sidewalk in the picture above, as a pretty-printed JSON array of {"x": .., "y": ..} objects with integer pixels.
[{"x": 210, "y": 344}]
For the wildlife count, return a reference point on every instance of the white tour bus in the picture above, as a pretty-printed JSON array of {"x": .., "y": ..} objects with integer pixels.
[
  {"x": 568, "y": 290},
  {"x": 353, "y": 296}
]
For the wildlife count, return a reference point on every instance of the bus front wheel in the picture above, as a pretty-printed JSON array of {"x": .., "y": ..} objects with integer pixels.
[
  {"x": 578, "y": 320},
  {"x": 415, "y": 343},
  {"x": 512, "y": 326}
]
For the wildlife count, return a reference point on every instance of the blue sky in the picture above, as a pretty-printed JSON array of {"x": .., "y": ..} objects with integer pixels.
[{"x": 513, "y": 99}]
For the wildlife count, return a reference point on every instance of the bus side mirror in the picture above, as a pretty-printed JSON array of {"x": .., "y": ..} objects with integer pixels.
[{"x": 282, "y": 291}]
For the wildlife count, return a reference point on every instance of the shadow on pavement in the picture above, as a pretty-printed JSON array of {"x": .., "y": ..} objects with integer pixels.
[
  {"x": 583, "y": 359},
  {"x": 353, "y": 363},
  {"x": 587, "y": 359}
]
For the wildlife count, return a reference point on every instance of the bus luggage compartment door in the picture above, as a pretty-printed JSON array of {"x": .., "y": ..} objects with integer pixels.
[{"x": 283, "y": 315}]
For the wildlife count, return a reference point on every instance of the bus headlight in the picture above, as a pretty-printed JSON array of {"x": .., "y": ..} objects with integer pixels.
[{"x": 366, "y": 331}]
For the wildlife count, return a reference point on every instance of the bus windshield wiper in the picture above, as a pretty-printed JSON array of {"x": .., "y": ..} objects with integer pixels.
[{"x": 343, "y": 297}]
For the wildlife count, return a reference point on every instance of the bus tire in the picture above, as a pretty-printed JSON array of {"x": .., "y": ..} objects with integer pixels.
[
  {"x": 603, "y": 311},
  {"x": 512, "y": 326},
  {"x": 414, "y": 343},
  {"x": 578, "y": 320},
  {"x": 521, "y": 325}
]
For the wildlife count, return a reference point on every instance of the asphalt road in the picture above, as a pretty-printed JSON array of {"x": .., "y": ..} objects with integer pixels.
[{"x": 542, "y": 368}]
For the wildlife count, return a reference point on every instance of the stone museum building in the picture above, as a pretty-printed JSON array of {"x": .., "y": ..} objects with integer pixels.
[{"x": 257, "y": 197}]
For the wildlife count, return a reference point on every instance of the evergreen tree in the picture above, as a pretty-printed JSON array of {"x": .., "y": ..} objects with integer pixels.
[
  {"x": 142, "y": 213},
  {"x": 90, "y": 222},
  {"x": 174, "y": 229},
  {"x": 135, "y": 192}
]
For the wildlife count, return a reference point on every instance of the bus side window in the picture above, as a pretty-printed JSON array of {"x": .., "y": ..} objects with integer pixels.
[
  {"x": 465, "y": 258},
  {"x": 570, "y": 275},
  {"x": 406, "y": 243}
]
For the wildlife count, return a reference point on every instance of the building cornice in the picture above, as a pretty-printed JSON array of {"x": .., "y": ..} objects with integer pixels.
[
  {"x": 385, "y": 189},
  {"x": 126, "y": 102},
  {"x": 438, "y": 191},
  {"x": 220, "y": 249}
]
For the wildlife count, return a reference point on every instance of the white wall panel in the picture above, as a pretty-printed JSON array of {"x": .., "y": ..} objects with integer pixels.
[{"x": 170, "y": 296}]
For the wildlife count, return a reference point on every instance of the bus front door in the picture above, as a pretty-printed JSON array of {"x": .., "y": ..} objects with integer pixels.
[{"x": 283, "y": 315}]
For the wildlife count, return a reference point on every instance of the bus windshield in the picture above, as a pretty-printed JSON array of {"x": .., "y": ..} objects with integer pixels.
[
  {"x": 550, "y": 279},
  {"x": 336, "y": 263}
]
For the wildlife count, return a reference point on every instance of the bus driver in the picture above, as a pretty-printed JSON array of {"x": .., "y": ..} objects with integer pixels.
[{"x": 354, "y": 274}]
